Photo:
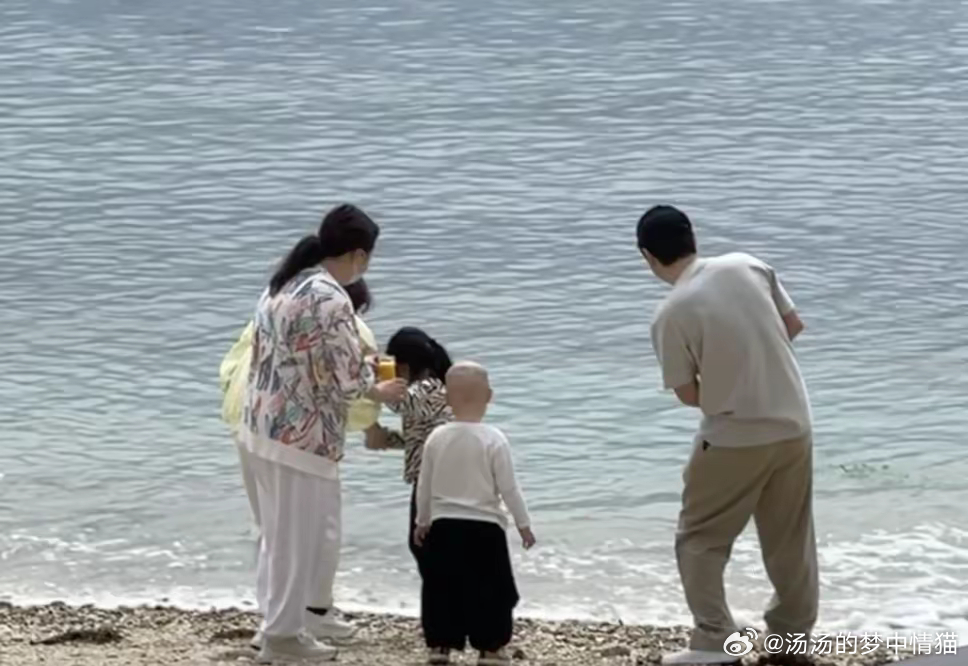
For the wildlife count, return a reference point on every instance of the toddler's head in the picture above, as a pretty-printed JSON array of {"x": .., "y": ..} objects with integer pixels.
[
  {"x": 360, "y": 296},
  {"x": 468, "y": 391}
]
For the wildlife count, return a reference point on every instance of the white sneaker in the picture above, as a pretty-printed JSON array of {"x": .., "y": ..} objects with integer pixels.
[
  {"x": 296, "y": 648},
  {"x": 328, "y": 626},
  {"x": 698, "y": 658}
]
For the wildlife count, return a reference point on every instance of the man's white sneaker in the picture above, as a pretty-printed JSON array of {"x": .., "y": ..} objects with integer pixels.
[
  {"x": 328, "y": 626},
  {"x": 298, "y": 648},
  {"x": 698, "y": 658}
]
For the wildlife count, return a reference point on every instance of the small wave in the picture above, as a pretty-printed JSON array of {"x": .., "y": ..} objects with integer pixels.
[{"x": 882, "y": 581}]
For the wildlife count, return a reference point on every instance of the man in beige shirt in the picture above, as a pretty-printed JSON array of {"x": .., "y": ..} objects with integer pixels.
[{"x": 723, "y": 337}]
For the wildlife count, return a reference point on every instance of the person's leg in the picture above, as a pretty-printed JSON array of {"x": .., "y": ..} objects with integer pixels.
[
  {"x": 784, "y": 521},
  {"x": 433, "y": 605},
  {"x": 291, "y": 543},
  {"x": 252, "y": 492},
  {"x": 329, "y": 527},
  {"x": 272, "y": 569},
  {"x": 261, "y": 576},
  {"x": 265, "y": 488},
  {"x": 419, "y": 554},
  {"x": 249, "y": 482},
  {"x": 322, "y": 620},
  {"x": 495, "y": 594},
  {"x": 441, "y": 610},
  {"x": 721, "y": 489}
]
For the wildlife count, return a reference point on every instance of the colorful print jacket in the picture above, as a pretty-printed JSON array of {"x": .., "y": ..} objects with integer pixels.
[{"x": 306, "y": 367}]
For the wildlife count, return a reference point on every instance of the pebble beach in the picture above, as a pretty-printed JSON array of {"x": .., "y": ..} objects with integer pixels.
[{"x": 88, "y": 636}]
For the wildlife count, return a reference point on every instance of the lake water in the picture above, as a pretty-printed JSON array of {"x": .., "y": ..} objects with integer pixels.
[{"x": 156, "y": 158}]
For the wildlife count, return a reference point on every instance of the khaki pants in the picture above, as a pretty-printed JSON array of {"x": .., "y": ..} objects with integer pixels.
[{"x": 724, "y": 488}]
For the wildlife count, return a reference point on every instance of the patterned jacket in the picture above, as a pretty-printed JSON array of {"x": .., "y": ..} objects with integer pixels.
[{"x": 306, "y": 367}]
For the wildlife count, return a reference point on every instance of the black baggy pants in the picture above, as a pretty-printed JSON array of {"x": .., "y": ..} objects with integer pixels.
[
  {"x": 469, "y": 591},
  {"x": 419, "y": 554}
]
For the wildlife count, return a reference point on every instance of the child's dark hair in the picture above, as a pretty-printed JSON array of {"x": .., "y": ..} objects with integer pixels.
[
  {"x": 360, "y": 296},
  {"x": 423, "y": 355}
]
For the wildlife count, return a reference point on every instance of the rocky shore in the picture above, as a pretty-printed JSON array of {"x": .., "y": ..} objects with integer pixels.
[{"x": 88, "y": 636}]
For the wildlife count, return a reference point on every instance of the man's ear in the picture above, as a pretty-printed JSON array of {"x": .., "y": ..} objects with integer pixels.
[{"x": 490, "y": 394}]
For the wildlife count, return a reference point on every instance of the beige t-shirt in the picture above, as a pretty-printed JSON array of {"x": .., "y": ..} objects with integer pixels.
[{"x": 723, "y": 323}]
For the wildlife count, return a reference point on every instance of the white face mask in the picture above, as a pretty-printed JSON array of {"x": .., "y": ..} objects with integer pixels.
[{"x": 360, "y": 270}]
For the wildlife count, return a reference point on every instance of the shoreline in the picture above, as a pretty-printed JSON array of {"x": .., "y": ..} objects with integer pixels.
[{"x": 57, "y": 633}]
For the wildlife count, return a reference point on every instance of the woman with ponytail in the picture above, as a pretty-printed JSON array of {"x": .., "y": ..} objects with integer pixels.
[
  {"x": 306, "y": 366},
  {"x": 423, "y": 363}
]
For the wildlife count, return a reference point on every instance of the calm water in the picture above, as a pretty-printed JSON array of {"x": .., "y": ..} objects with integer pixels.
[{"x": 155, "y": 158}]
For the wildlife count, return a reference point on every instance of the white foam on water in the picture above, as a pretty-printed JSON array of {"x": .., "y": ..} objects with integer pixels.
[{"x": 908, "y": 581}]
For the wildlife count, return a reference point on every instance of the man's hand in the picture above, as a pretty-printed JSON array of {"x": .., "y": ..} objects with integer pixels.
[
  {"x": 376, "y": 438},
  {"x": 527, "y": 537},
  {"x": 420, "y": 534},
  {"x": 688, "y": 394},
  {"x": 793, "y": 323},
  {"x": 391, "y": 391}
]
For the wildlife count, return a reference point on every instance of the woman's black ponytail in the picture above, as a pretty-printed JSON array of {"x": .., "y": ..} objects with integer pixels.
[
  {"x": 307, "y": 253},
  {"x": 344, "y": 229}
]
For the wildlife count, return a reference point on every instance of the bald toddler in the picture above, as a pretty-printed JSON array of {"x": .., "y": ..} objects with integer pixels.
[{"x": 469, "y": 593}]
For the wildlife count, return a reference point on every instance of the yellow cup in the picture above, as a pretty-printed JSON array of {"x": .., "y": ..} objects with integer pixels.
[{"x": 387, "y": 368}]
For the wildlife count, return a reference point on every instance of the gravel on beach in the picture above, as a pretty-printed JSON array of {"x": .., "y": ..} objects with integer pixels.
[{"x": 87, "y": 636}]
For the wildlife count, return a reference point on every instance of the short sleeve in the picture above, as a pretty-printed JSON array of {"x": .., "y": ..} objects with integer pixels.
[
  {"x": 782, "y": 299},
  {"x": 780, "y": 296},
  {"x": 672, "y": 350}
]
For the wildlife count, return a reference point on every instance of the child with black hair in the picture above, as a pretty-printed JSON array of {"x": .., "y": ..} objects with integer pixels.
[{"x": 423, "y": 363}]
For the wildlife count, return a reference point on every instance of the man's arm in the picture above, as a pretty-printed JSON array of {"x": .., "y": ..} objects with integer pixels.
[
  {"x": 679, "y": 368},
  {"x": 788, "y": 310}
]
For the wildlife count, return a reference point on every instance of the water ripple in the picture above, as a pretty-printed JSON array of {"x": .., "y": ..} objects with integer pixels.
[{"x": 155, "y": 159}]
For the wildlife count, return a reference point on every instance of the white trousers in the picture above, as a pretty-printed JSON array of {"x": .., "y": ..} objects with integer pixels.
[
  {"x": 252, "y": 492},
  {"x": 248, "y": 478},
  {"x": 300, "y": 519}
]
